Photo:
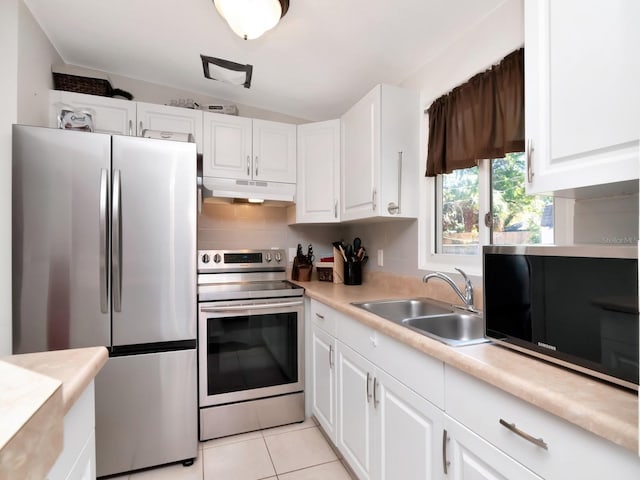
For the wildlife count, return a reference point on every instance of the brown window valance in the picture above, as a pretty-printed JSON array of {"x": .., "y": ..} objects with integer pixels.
[{"x": 482, "y": 118}]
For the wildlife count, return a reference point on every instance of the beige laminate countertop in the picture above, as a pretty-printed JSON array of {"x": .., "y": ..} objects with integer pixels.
[
  {"x": 600, "y": 408},
  {"x": 36, "y": 391}
]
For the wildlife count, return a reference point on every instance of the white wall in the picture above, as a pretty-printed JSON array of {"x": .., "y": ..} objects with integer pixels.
[
  {"x": 35, "y": 56},
  {"x": 8, "y": 116},
  {"x": 161, "y": 94}
]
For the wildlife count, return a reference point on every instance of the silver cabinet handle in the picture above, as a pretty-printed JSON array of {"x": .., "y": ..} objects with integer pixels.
[
  {"x": 392, "y": 208},
  {"x": 368, "y": 388},
  {"x": 335, "y": 209},
  {"x": 373, "y": 200},
  {"x": 321, "y": 317},
  {"x": 104, "y": 241},
  {"x": 248, "y": 166},
  {"x": 199, "y": 200},
  {"x": 116, "y": 243},
  {"x": 256, "y": 161},
  {"x": 445, "y": 463},
  {"x": 536, "y": 441},
  {"x": 331, "y": 356},
  {"x": 529, "y": 165},
  {"x": 140, "y": 131},
  {"x": 376, "y": 400},
  {"x": 130, "y": 128}
]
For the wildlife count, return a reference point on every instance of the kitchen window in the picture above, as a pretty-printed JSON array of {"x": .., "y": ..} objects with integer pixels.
[{"x": 512, "y": 217}]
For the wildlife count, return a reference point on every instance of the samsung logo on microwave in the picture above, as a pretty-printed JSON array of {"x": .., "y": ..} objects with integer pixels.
[{"x": 546, "y": 345}]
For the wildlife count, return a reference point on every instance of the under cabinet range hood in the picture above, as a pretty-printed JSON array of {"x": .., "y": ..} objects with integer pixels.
[{"x": 250, "y": 189}]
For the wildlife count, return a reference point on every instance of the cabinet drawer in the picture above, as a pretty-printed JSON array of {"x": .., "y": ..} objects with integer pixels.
[
  {"x": 422, "y": 373},
  {"x": 323, "y": 316},
  {"x": 571, "y": 451},
  {"x": 358, "y": 336}
]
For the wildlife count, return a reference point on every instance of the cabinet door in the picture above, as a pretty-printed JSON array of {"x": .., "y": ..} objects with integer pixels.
[
  {"x": 274, "y": 151},
  {"x": 110, "y": 115},
  {"x": 170, "y": 119},
  {"x": 227, "y": 146},
  {"x": 354, "y": 433},
  {"x": 323, "y": 377},
  {"x": 318, "y": 186},
  {"x": 360, "y": 157},
  {"x": 469, "y": 457},
  {"x": 408, "y": 432},
  {"x": 582, "y": 97}
]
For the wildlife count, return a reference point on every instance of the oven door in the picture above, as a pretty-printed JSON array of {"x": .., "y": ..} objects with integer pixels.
[{"x": 250, "y": 349}]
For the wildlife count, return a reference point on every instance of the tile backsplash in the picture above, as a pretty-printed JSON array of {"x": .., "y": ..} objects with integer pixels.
[
  {"x": 611, "y": 220},
  {"x": 225, "y": 226}
]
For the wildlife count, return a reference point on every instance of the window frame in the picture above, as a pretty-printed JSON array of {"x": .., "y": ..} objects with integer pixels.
[{"x": 428, "y": 228}]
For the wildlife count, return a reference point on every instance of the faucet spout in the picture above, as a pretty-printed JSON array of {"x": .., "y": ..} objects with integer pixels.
[{"x": 466, "y": 297}]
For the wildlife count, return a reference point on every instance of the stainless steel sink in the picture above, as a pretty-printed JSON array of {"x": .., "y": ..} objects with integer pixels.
[
  {"x": 455, "y": 329},
  {"x": 438, "y": 320},
  {"x": 398, "y": 310}
]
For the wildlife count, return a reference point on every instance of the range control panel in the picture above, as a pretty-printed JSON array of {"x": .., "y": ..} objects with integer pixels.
[{"x": 239, "y": 260}]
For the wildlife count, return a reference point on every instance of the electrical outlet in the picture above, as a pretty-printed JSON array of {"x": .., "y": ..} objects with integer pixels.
[
  {"x": 380, "y": 257},
  {"x": 292, "y": 254}
]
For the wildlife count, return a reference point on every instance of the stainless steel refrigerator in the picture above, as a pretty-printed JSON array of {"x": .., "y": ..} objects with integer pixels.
[{"x": 104, "y": 253}]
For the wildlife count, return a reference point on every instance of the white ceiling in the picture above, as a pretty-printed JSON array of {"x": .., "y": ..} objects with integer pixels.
[{"x": 322, "y": 57}]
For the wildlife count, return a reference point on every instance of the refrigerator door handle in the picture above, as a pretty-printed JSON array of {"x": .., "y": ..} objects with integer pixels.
[
  {"x": 104, "y": 241},
  {"x": 116, "y": 243}
]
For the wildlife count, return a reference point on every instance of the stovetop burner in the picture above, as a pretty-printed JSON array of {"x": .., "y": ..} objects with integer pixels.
[{"x": 243, "y": 274}]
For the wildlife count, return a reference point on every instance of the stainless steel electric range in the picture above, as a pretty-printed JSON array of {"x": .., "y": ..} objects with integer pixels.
[{"x": 250, "y": 342}]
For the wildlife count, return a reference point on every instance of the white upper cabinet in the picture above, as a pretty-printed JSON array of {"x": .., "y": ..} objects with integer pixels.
[
  {"x": 582, "y": 71},
  {"x": 110, "y": 115},
  {"x": 124, "y": 117},
  {"x": 274, "y": 151},
  {"x": 379, "y": 155},
  {"x": 170, "y": 119},
  {"x": 249, "y": 149},
  {"x": 318, "y": 185},
  {"x": 227, "y": 146}
]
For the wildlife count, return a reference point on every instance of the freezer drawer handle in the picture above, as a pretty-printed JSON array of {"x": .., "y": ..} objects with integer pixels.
[
  {"x": 116, "y": 242},
  {"x": 536, "y": 441},
  {"x": 104, "y": 241},
  {"x": 261, "y": 306}
]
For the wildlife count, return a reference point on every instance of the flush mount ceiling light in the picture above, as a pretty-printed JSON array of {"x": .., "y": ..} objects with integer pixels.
[
  {"x": 251, "y": 18},
  {"x": 227, "y": 71}
]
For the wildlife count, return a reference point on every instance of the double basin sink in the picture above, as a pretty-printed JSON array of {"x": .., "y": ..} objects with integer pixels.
[{"x": 437, "y": 320}]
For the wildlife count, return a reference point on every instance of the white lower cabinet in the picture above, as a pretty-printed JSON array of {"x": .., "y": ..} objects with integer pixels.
[
  {"x": 385, "y": 431},
  {"x": 78, "y": 458},
  {"x": 547, "y": 445},
  {"x": 323, "y": 380},
  {"x": 355, "y": 412},
  {"x": 467, "y": 456},
  {"x": 396, "y": 413}
]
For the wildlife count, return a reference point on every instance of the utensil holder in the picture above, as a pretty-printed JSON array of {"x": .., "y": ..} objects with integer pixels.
[{"x": 353, "y": 273}]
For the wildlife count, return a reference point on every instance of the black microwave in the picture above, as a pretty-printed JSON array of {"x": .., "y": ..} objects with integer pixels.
[{"x": 576, "y": 306}]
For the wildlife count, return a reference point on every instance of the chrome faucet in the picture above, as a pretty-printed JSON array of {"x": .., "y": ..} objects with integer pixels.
[{"x": 466, "y": 297}]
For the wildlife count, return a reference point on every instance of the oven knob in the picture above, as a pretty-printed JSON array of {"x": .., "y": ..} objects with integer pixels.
[
  {"x": 278, "y": 257},
  {"x": 267, "y": 257},
  {"x": 217, "y": 258},
  {"x": 205, "y": 258}
]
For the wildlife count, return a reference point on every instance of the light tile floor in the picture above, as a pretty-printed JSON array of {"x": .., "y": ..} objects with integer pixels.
[{"x": 292, "y": 452}]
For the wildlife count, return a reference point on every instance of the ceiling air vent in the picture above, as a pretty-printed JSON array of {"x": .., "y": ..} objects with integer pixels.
[{"x": 227, "y": 71}]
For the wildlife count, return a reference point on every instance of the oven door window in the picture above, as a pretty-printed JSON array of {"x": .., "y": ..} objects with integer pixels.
[{"x": 251, "y": 351}]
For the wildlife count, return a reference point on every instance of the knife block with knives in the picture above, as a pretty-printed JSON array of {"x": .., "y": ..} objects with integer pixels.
[{"x": 302, "y": 265}]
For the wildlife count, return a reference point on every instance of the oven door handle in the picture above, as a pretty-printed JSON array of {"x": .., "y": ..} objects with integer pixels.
[{"x": 259, "y": 306}]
